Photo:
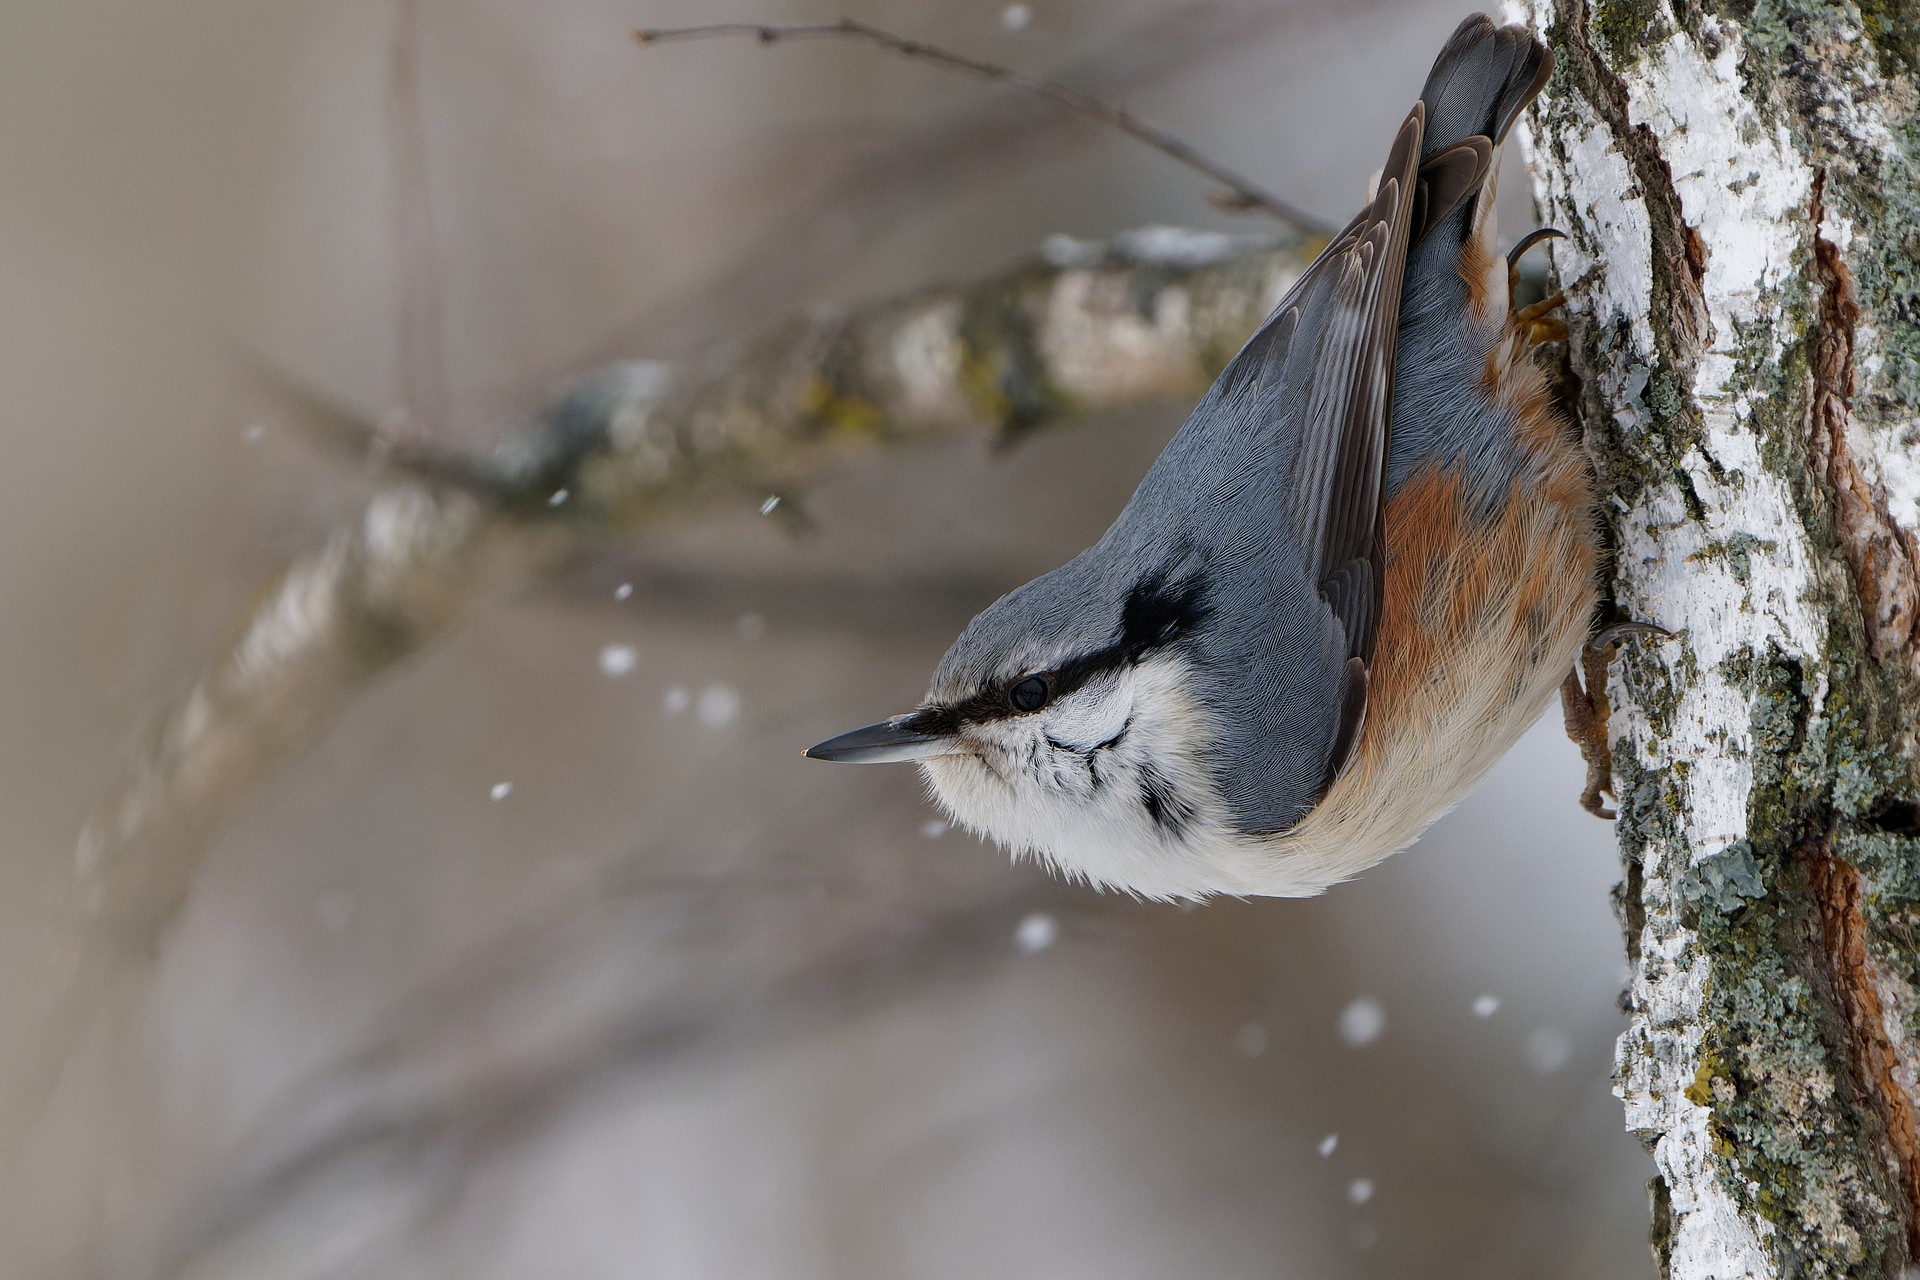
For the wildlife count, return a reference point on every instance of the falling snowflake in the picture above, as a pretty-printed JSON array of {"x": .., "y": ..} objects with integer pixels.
[
  {"x": 618, "y": 660},
  {"x": 559, "y": 496},
  {"x": 1329, "y": 1145},
  {"x": 1036, "y": 932},
  {"x": 677, "y": 700},
  {"x": 622, "y": 591},
  {"x": 718, "y": 707},
  {"x": 933, "y": 830},
  {"x": 1015, "y": 17},
  {"x": 1362, "y": 1022},
  {"x": 751, "y": 627},
  {"x": 1252, "y": 1039},
  {"x": 501, "y": 790},
  {"x": 1548, "y": 1050},
  {"x": 1486, "y": 1006},
  {"x": 1360, "y": 1190},
  {"x": 767, "y": 507}
]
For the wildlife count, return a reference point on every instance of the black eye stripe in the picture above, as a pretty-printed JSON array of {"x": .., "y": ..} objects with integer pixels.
[{"x": 1156, "y": 615}]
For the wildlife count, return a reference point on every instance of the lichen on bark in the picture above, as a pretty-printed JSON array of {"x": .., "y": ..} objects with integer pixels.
[{"x": 1735, "y": 180}]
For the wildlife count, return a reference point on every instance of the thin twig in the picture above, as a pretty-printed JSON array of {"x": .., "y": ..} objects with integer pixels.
[
  {"x": 1241, "y": 193},
  {"x": 423, "y": 377},
  {"x": 912, "y": 176}
]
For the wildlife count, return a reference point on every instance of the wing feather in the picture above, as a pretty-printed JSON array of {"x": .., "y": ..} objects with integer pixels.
[
  {"x": 1346, "y": 381},
  {"x": 1306, "y": 406}
]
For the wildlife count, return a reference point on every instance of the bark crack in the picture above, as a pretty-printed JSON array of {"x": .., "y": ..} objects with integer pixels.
[
  {"x": 1835, "y": 888},
  {"x": 1747, "y": 420},
  {"x": 1681, "y": 325},
  {"x": 1880, "y": 552}
]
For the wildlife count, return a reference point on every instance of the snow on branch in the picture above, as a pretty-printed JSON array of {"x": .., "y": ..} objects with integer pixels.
[{"x": 1085, "y": 327}]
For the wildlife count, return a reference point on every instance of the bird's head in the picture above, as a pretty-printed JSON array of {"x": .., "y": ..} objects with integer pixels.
[{"x": 1065, "y": 723}]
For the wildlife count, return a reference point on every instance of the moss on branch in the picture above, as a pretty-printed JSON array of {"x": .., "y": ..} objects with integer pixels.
[{"x": 1087, "y": 327}]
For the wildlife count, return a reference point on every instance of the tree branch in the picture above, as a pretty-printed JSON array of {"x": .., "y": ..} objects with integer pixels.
[
  {"x": 1241, "y": 193},
  {"x": 1088, "y": 327}
]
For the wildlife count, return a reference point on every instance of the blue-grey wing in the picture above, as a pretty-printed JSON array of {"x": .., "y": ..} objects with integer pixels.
[
  {"x": 1269, "y": 502},
  {"x": 1320, "y": 376}
]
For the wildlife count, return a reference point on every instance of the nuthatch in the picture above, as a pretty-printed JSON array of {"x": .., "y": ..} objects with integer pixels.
[{"x": 1351, "y": 581}]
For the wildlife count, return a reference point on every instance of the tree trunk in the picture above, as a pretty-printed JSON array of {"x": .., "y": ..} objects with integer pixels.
[{"x": 1740, "y": 188}]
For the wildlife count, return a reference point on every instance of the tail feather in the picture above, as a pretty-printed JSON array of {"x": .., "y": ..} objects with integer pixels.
[
  {"x": 1446, "y": 181},
  {"x": 1484, "y": 77},
  {"x": 1454, "y": 303}
]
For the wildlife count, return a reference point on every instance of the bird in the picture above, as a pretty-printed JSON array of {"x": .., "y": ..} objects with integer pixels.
[{"x": 1350, "y": 582}]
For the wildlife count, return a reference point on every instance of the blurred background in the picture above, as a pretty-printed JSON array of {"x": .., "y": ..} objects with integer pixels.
[{"x": 553, "y": 959}]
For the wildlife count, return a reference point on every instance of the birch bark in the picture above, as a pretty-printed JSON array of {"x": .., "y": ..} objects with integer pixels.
[{"x": 1739, "y": 182}]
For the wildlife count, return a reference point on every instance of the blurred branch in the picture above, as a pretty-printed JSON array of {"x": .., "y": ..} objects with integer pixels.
[
  {"x": 1241, "y": 194},
  {"x": 480, "y": 1067},
  {"x": 373, "y": 594},
  {"x": 931, "y": 168},
  {"x": 1089, "y": 327}
]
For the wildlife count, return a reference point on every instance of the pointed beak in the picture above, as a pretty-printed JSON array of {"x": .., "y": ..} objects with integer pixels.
[{"x": 888, "y": 742}]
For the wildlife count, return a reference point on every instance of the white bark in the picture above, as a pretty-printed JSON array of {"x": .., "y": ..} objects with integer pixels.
[{"x": 1720, "y": 183}]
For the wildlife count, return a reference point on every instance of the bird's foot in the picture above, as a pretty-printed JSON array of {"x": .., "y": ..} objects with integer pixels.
[
  {"x": 1607, "y": 637},
  {"x": 1583, "y": 705},
  {"x": 1536, "y": 323},
  {"x": 1539, "y": 325},
  {"x": 1585, "y": 712}
]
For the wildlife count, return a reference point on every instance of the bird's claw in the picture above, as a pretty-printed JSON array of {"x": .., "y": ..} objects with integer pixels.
[
  {"x": 1586, "y": 721},
  {"x": 1607, "y": 637},
  {"x": 1583, "y": 705},
  {"x": 1527, "y": 242},
  {"x": 1535, "y": 322},
  {"x": 1539, "y": 324}
]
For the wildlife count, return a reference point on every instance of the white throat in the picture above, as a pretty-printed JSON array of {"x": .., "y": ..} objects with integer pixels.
[{"x": 1105, "y": 786}]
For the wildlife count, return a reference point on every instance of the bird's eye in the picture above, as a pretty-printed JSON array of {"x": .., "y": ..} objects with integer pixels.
[{"x": 1030, "y": 694}]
